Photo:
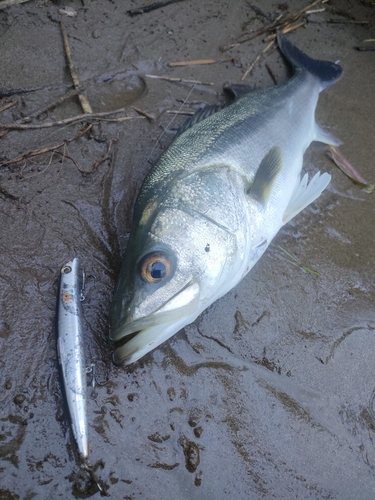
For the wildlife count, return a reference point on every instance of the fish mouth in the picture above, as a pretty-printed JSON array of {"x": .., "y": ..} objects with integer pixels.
[{"x": 136, "y": 338}]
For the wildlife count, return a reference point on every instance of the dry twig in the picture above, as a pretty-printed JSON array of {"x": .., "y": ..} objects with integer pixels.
[
  {"x": 68, "y": 121},
  {"x": 42, "y": 151},
  {"x": 198, "y": 62},
  {"x": 9, "y": 92},
  {"x": 280, "y": 23},
  {"x": 55, "y": 150},
  {"x": 8, "y": 105},
  {"x": 143, "y": 113},
  {"x": 177, "y": 80},
  {"x": 9, "y": 3},
  {"x": 61, "y": 99},
  {"x": 250, "y": 68},
  {"x": 338, "y": 21},
  {"x": 272, "y": 74},
  {"x": 150, "y": 7},
  {"x": 86, "y": 108},
  {"x": 179, "y": 112},
  {"x": 105, "y": 158},
  {"x": 287, "y": 29}
]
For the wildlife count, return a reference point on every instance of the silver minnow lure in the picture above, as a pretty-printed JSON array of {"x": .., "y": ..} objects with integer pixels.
[{"x": 70, "y": 350}]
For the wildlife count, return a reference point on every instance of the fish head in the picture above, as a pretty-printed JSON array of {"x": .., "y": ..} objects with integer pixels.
[{"x": 173, "y": 268}]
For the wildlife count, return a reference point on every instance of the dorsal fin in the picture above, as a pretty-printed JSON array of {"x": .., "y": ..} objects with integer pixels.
[
  {"x": 198, "y": 116},
  {"x": 265, "y": 177},
  {"x": 233, "y": 93},
  {"x": 236, "y": 91}
]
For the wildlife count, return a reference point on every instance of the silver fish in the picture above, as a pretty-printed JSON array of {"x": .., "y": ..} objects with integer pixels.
[
  {"x": 212, "y": 204},
  {"x": 70, "y": 348}
]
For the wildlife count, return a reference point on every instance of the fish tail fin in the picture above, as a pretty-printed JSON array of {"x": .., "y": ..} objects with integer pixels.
[{"x": 325, "y": 71}]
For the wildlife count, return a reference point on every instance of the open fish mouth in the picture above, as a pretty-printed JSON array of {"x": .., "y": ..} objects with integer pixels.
[
  {"x": 215, "y": 200},
  {"x": 136, "y": 338},
  {"x": 135, "y": 345}
]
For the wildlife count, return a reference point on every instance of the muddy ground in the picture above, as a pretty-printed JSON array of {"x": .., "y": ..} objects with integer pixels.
[{"x": 270, "y": 393}]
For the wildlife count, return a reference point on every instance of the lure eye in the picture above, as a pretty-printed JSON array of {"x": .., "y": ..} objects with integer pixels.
[
  {"x": 66, "y": 270},
  {"x": 155, "y": 267}
]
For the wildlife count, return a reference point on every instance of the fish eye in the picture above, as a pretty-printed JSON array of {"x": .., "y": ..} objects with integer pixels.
[
  {"x": 155, "y": 267},
  {"x": 66, "y": 270}
]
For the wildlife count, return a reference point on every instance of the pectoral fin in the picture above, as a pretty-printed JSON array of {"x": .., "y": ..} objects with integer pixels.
[
  {"x": 305, "y": 193},
  {"x": 265, "y": 177}
]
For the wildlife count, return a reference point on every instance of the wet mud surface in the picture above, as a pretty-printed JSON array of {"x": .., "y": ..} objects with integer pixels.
[{"x": 270, "y": 393}]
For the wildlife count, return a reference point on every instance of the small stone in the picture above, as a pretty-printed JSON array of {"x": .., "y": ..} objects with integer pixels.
[
  {"x": 19, "y": 399},
  {"x": 198, "y": 431}
]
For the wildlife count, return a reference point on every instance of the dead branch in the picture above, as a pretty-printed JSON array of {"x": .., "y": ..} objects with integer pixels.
[
  {"x": 7, "y": 106},
  {"x": 150, "y": 7},
  {"x": 286, "y": 29},
  {"x": 143, "y": 113},
  {"x": 278, "y": 24},
  {"x": 9, "y": 92},
  {"x": 179, "y": 112},
  {"x": 250, "y": 68},
  {"x": 96, "y": 164},
  {"x": 86, "y": 108},
  {"x": 177, "y": 80},
  {"x": 61, "y": 99},
  {"x": 38, "y": 152},
  {"x": 55, "y": 150},
  {"x": 193, "y": 62},
  {"x": 271, "y": 73},
  {"x": 68, "y": 121},
  {"x": 338, "y": 21},
  {"x": 9, "y": 3}
]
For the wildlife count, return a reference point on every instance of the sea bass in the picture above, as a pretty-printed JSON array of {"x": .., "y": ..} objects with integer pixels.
[{"x": 214, "y": 201}]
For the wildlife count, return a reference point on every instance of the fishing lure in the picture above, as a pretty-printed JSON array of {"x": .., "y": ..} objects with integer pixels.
[{"x": 70, "y": 348}]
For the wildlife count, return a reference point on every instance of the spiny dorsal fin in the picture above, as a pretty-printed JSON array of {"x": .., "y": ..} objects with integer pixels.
[
  {"x": 233, "y": 93},
  {"x": 197, "y": 117},
  {"x": 265, "y": 177},
  {"x": 236, "y": 91}
]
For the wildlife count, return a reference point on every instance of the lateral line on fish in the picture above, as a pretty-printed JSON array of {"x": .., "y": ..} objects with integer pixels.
[
  {"x": 169, "y": 124},
  {"x": 230, "y": 181},
  {"x": 201, "y": 214}
]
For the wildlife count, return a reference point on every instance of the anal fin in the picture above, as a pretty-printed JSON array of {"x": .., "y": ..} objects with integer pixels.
[{"x": 305, "y": 193}]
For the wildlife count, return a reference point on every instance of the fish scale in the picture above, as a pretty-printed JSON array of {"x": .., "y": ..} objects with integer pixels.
[{"x": 212, "y": 204}]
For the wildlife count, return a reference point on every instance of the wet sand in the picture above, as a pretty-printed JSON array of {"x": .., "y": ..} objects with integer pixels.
[{"x": 270, "y": 393}]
